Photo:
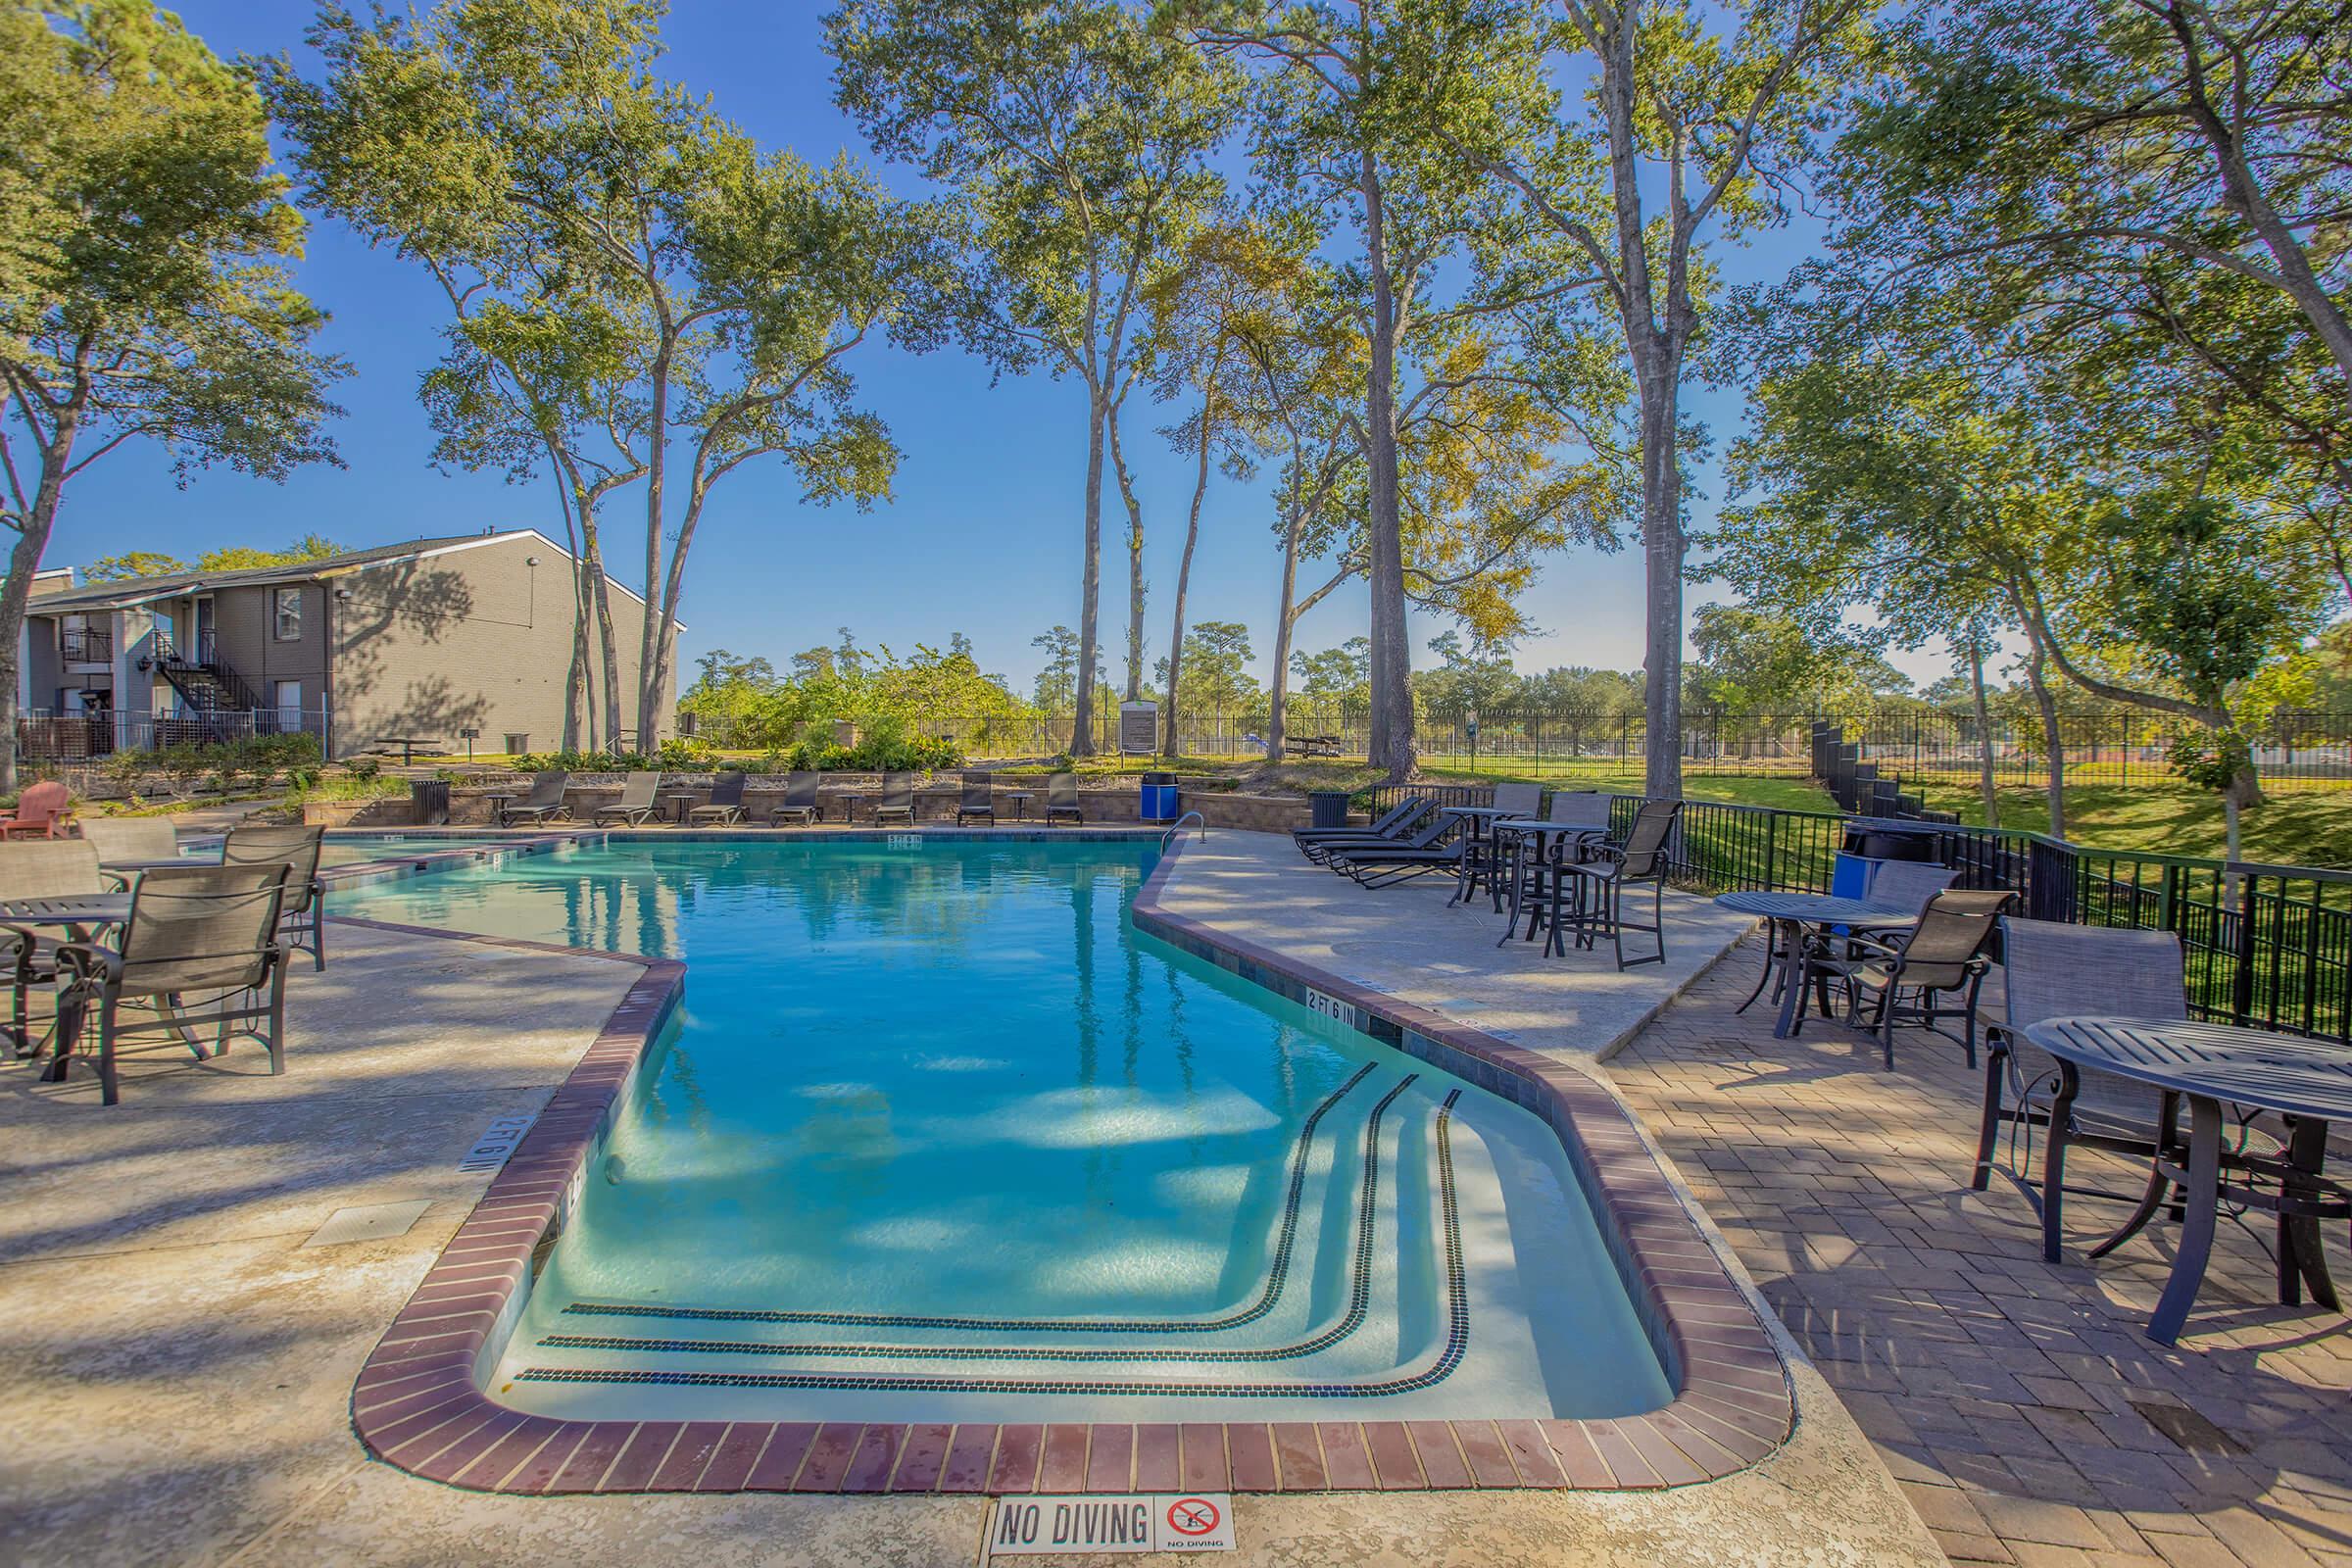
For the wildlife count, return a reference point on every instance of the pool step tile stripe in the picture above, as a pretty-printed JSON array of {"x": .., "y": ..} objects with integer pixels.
[{"x": 1639, "y": 1212}]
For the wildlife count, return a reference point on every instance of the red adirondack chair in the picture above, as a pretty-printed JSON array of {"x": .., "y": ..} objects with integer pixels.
[{"x": 41, "y": 810}]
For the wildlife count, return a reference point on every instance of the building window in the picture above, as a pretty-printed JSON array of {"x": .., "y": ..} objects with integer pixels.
[{"x": 285, "y": 614}]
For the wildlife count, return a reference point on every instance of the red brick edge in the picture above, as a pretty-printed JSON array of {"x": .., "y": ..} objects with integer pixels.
[{"x": 418, "y": 1404}]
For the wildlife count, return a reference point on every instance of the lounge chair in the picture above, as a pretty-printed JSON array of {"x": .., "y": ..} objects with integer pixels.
[
  {"x": 1943, "y": 954},
  {"x": 210, "y": 930},
  {"x": 41, "y": 869},
  {"x": 979, "y": 800},
  {"x": 1598, "y": 885},
  {"x": 1437, "y": 846},
  {"x": 2050, "y": 969},
  {"x": 1393, "y": 825},
  {"x": 898, "y": 799},
  {"x": 42, "y": 809},
  {"x": 799, "y": 801},
  {"x": 640, "y": 799},
  {"x": 727, "y": 800},
  {"x": 544, "y": 803},
  {"x": 303, "y": 911},
  {"x": 1432, "y": 834},
  {"x": 131, "y": 838},
  {"x": 1061, "y": 799}
]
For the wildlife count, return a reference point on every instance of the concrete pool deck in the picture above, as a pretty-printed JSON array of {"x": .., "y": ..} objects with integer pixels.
[{"x": 181, "y": 1326}]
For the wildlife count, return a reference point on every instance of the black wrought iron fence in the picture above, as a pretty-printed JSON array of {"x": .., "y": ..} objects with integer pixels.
[{"x": 2266, "y": 945}]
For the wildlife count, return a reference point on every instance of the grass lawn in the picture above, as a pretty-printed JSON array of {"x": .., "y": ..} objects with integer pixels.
[{"x": 2308, "y": 827}]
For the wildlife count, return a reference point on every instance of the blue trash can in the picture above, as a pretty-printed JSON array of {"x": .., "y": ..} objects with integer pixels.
[{"x": 1159, "y": 802}]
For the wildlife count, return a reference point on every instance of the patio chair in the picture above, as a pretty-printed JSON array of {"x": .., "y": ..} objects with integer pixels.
[
  {"x": 1432, "y": 833},
  {"x": 1395, "y": 824},
  {"x": 640, "y": 799},
  {"x": 1900, "y": 888},
  {"x": 131, "y": 838},
  {"x": 41, "y": 868},
  {"x": 544, "y": 803},
  {"x": 725, "y": 805},
  {"x": 1904, "y": 887},
  {"x": 898, "y": 799},
  {"x": 1943, "y": 954},
  {"x": 1438, "y": 846},
  {"x": 1061, "y": 799},
  {"x": 1535, "y": 878},
  {"x": 1598, "y": 885},
  {"x": 303, "y": 911},
  {"x": 979, "y": 799},
  {"x": 800, "y": 800},
  {"x": 2050, "y": 969},
  {"x": 209, "y": 930},
  {"x": 1520, "y": 800},
  {"x": 42, "y": 809}
]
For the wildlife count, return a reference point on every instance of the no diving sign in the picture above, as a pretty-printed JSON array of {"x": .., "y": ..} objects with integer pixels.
[{"x": 1052, "y": 1527}]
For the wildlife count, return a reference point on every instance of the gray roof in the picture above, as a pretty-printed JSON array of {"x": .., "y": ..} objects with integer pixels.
[{"x": 139, "y": 590}]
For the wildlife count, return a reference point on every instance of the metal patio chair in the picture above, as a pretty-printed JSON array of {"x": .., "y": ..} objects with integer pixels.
[
  {"x": 209, "y": 931},
  {"x": 979, "y": 799},
  {"x": 1598, "y": 885},
  {"x": 301, "y": 914},
  {"x": 1061, "y": 799},
  {"x": 1901, "y": 888},
  {"x": 898, "y": 799},
  {"x": 544, "y": 803},
  {"x": 41, "y": 868},
  {"x": 1944, "y": 954},
  {"x": 1535, "y": 873},
  {"x": 131, "y": 838},
  {"x": 725, "y": 805},
  {"x": 640, "y": 799},
  {"x": 800, "y": 800}
]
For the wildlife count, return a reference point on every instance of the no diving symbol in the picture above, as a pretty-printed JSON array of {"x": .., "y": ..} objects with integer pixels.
[{"x": 1194, "y": 1516}]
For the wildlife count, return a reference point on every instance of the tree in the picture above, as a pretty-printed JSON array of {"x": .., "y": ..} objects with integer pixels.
[
  {"x": 144, "y": 241},
  {"x": 1469, "y": 676},
  {"x": 1751, "y": 661},
  {"x": 1340, "y": 676},
  {"x": 1079, "y": 137},
  {"x": 1661, "y": 106},
  {"x": 1216, "y": 674},
  {"x": 234, "y": 558},
  {"x": 531, "y": 143},
  {"x": 1354, "y": 102}
]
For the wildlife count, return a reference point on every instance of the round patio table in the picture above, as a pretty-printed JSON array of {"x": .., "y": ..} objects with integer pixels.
[
  {"x": 679, "y": 800},
  {"x": 1789, "y": 914},
  {"x": 2308, "y": 1082},
  {"x": 848, "y": 806},
  {"x": 1021, "y": 800},
  {"x": 77, "y": 911}
]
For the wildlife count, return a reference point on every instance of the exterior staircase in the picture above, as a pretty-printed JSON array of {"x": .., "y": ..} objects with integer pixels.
[{"x": 209, "y": 687}]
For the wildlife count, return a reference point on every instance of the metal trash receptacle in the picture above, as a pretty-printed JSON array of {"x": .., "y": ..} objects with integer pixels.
[
  {"x": 1329, "y": 808},
  {"x": 428, "y": 798},
  {"x": 1159, "y": 802}
]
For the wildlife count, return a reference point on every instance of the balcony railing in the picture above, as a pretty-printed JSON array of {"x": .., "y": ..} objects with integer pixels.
[{"x": 86, "y": 645}]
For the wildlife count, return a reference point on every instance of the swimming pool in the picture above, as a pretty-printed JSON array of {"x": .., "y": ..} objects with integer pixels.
[
  {"x": 346, "y": 848},
  {"x": 938, "y": 1135}
]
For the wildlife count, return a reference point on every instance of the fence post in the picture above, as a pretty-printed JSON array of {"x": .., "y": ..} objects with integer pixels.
[{"x": 2241, "y": 984}]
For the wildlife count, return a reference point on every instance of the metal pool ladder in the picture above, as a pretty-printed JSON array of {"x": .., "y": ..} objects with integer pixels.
[{"x": 1177, "y": 826}]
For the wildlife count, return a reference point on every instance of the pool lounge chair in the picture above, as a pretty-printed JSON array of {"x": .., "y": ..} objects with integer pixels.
[
  {"x": 544, "y": 803},
  {"x": 1598, "y": 885},
  {"x": 799, "y": 801},
  {"x": 1431, "y": 834},
  {"x": 898, "y": 799},
  {"x": 1393, "y": 826},
  {"x": 42, "y": 809},
  {"x": 979, "y": 800},
  {"x": 1438, "y": 846},
  {"x": 1061, "y": 799},
  {"x": 42, "y": 868},
  {"x": 727, "y": 800},
  {"x": 640, "y": 799},
  {"x": 303, "y": 910},
  {"x": 208, "y": 932}
]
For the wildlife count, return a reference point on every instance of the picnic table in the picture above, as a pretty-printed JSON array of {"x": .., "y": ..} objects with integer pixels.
[
  {"x": 408, "y": 746},
  {"x": 2308, "y": 1082},
  {"x": 1325, "y": 746}
]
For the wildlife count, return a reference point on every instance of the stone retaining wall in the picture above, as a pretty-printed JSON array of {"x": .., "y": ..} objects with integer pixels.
[{"x": 469, "y": 807}]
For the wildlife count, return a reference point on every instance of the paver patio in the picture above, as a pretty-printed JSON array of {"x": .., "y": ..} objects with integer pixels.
[{"x": 2027, "y": 1416}]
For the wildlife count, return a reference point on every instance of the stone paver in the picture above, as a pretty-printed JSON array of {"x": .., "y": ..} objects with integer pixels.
[{"x": 2027, "y": 1416}]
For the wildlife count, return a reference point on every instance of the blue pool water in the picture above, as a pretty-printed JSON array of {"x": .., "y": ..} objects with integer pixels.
[
  {"x": 348, "y": 850},
  {"x": 936, "y": 1133}
]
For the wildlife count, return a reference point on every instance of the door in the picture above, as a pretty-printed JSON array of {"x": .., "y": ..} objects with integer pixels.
[
  {"x": 202, "y": 652},
  {"x": 289, "y": 707}
]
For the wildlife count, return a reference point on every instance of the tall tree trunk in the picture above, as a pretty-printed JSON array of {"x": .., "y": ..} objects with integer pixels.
[
  {"x": 656, "y": 477},
  {"x": 1184, "y": 573},
  {"x": 24, "y": 562},
  {"x": 1286, "y": 621},
  {"x": 600, "y": 594},
  {"x": 1391, "y": 744},
  {"x": 1135, "y": 560},
  {"x": 1985, "y": 784},
  {"x": 575, "y": 678},
  {"x": 1090, "y": 600},
  {"x": 2054, "y": 743},
  {"x": 1662, "y": 547}
]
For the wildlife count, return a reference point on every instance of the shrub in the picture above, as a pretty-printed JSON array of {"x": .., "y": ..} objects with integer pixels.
[{"x": 885, "y": 746}]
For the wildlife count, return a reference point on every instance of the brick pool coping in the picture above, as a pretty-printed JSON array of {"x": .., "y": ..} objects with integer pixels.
[{"x": 419, "y": 1402}]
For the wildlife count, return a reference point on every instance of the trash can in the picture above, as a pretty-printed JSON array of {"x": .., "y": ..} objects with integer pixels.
[
  {"x": 1159, "y": 802},
  {"x": 1330, "y": 808},
  {"x": 429, "y": 799}
]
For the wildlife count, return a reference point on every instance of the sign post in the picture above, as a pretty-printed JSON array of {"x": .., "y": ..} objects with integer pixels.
[{"x": 1139, "y": 730}]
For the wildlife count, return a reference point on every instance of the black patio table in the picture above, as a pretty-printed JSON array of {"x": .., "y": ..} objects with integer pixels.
[
  {"x": 77, "y": 912},
  {"x": 2307, "y": 1082},
  {"x": 1793, "y": 912},
  {"x": 1474, "y": 828},
  {"x": 1522, "y": 830}
]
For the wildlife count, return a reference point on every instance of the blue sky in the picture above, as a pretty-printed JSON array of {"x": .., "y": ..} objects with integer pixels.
[{"x": 983, "y": 532}]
